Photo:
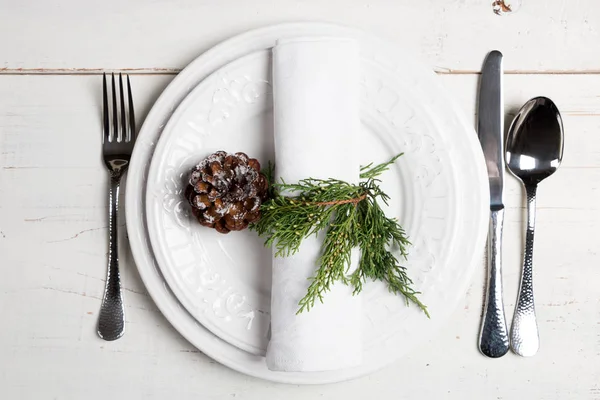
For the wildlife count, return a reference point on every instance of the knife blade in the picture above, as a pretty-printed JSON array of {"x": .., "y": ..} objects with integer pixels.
[
  {"x": 493, "y": 337},
  {"x": 490, "y": 125}
]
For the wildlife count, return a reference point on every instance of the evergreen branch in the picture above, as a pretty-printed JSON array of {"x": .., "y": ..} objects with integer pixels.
[
  {"x": 336, "y": 255},
  {"x": 368, "y": 172},
  {"x": 351, "y": 217}
]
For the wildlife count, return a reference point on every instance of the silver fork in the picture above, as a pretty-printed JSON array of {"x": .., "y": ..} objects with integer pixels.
[{"x": 117, "y": 146}]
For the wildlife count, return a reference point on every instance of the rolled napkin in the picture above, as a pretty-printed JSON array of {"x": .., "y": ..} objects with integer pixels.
[{"x": 317, "y": 120}]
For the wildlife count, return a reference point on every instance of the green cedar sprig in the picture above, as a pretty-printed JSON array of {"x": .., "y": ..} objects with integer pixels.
[{"x": 352, "y": 218}]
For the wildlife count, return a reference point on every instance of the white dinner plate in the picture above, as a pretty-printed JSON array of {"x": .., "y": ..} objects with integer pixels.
[
  {"x": 224, "y": 280},
  {"x": 439, "y": 188}
]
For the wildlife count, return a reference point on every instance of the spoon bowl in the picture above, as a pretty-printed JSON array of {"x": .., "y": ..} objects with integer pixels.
[
  {"x": 534, "y": 150},
  {"x": 534, "y": 147}
]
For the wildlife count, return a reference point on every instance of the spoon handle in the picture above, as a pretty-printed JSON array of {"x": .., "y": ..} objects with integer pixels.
[
  {"x": 493, "y": 338},
  {"x": 524, "y": 335}
]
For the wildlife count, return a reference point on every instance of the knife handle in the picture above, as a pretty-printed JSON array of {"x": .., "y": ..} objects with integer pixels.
[{"x": 493, "y": 338}]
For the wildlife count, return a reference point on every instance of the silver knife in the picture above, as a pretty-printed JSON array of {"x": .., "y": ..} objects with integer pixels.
[{"x": 493, "y": 338}]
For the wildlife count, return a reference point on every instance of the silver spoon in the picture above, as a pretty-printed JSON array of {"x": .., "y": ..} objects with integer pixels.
[{"x": 534, "y": 150}]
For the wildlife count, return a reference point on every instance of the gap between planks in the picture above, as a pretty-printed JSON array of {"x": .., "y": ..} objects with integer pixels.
[
  {"x": 88, "y": 71},
  {"x": 175, "y": 71}
]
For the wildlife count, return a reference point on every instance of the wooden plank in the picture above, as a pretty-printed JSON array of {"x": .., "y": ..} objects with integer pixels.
[
  {"x": 451, "y": 35},
  {"x": 53, "y": 245}
]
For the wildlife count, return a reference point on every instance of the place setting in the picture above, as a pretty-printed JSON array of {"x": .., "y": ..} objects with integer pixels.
[{"x": 306, "y": 203}]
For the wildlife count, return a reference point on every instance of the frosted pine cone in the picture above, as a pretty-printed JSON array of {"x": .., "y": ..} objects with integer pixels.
[{"x": 226, "y": 191}]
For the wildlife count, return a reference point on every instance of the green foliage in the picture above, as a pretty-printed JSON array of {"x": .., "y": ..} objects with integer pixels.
[{"x": 351, "y": 217}]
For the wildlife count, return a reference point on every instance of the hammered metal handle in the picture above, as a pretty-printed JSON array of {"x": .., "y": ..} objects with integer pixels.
[
  {"x": 111, "y": 322},
  {"x": 493, "y": 338},
  {"x": 524, "y": 337}
]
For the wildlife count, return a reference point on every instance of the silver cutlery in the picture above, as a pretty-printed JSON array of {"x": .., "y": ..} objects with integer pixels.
[
  {"x": 118, "y": 141},
  {"x": 493, "y": 337},
  {"x": 534, "y": 150}
]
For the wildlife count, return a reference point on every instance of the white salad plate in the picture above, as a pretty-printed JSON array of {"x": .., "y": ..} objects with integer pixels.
[{"x": 214, "y": 288}]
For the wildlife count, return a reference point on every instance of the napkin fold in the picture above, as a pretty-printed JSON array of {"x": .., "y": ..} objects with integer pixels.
[{"x": 317, "y": 120}]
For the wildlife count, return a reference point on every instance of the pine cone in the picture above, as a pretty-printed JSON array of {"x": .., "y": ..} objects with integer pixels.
[{"x": 226, "y": 191}]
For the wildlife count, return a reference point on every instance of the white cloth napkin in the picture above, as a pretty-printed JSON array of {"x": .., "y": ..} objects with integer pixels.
[{"x": 316, "y": 116}]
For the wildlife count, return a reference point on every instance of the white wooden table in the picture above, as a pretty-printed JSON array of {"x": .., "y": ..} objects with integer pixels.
[{"x": 53, "y": 205}]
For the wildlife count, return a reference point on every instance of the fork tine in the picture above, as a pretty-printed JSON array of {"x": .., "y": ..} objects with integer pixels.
[
  {"x": 124, "y": 136},
  {"x": 106, "y": 126},
  {"x": 131, "y": 114},
  {"x": 115, "y": 134}
]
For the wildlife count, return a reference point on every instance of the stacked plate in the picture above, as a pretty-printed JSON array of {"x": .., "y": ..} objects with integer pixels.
[{"x": 215, "y": 289}]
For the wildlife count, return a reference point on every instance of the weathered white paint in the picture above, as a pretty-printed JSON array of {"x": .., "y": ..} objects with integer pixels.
[
  {"x": 165, "y": 34},
  {"x": 53, "y": 198}
]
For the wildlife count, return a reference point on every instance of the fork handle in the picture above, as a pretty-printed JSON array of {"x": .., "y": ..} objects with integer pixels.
[{"x": 111, "y": 322}]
